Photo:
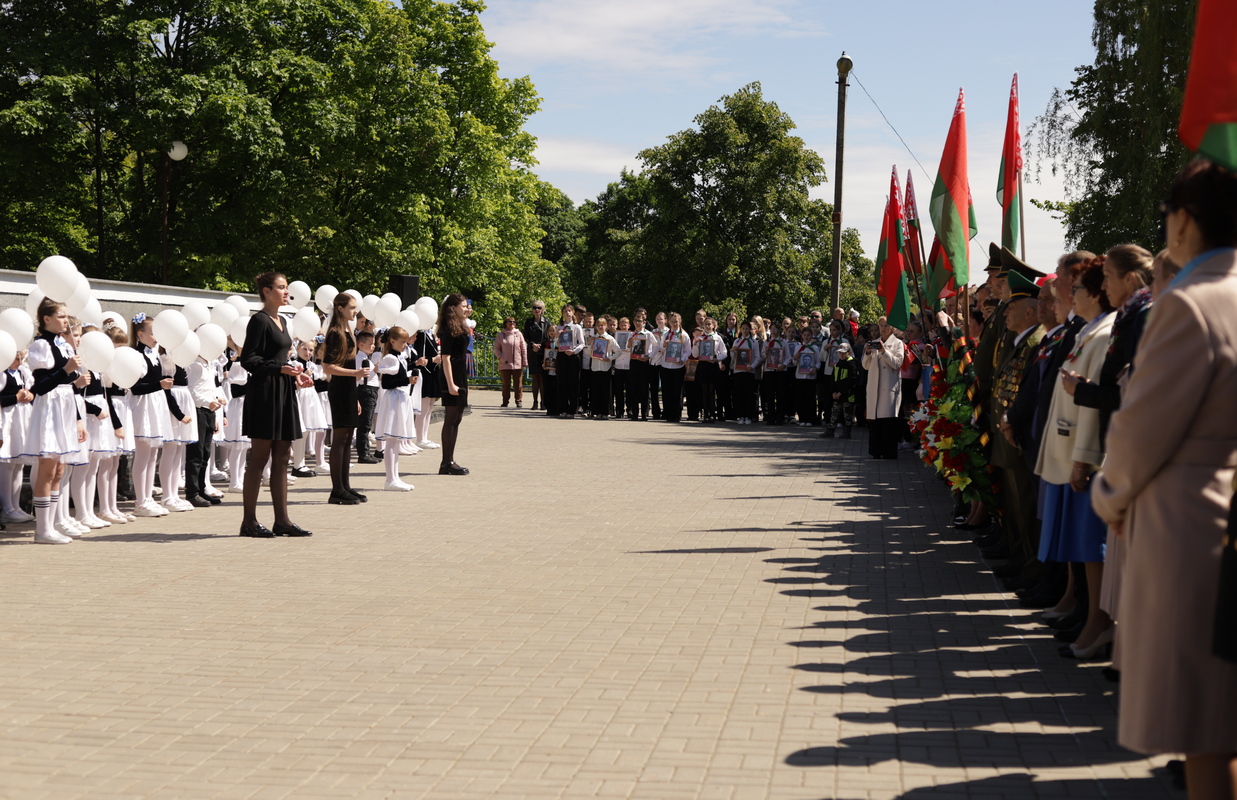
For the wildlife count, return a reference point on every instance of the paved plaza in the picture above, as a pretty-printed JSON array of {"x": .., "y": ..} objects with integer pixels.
[{"x": 611, "y": 609}]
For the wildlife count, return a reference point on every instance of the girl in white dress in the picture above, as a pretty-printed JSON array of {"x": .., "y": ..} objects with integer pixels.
[
  {"x": 55, "y": 431},
  {"x": 313, "y": 420},
  {"x": 122, "y": 430},
  {"x": 15, "y": 406},
  {"x": 152, "y": 421},
  {"x": 236, "y": 443},
  {"x": 395, "y": 423},
  {"x": 182, "y": 431}
]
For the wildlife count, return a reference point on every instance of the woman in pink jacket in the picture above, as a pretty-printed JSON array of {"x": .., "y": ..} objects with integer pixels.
[{"x": 512, "y": 355}]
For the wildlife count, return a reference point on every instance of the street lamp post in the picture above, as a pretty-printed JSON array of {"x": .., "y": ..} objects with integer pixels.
[
  {"x": 177, "y": 152},
  {"x": 844, "y": 67}
]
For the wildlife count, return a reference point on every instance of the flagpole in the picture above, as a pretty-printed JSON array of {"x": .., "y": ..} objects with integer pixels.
[{"x": 1022, "y": 217}]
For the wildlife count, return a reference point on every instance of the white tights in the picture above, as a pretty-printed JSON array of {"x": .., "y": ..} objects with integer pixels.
[
  {"x": 390, "y": 458},
  {"x": 319, "y": 438},
  {"x": 423, "y": 419},
  {"x": 236, "y": 465},
  {"x": 144, "y": 457},
  {"x": 83, "y": 482},
  {"x": 172, "y": 469},
  {"x": 10, "y": 486},
  {"x": 108, "y": 469},
  {"x": 298, "y": 451}
]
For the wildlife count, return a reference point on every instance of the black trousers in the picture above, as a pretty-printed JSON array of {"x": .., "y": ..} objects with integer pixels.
[
  {"x": 692, "y": 393},
  {"x": 599, "y": 393},
  {"x": 568, "y": 368},
  {"x": 621, "y": 384},
  {"x": 549, "y": 397},
  {"x": 638, "y": 389},
  {"x": 707, "y": 376},
  {"x": 672, "y": 393},
  {"x": 883, "y": 436},
  {"x": 743, "y": 390},
  {"x": 824, "y": 396},
  {"x": 655, "y": 390},
  {"x": 368, "y": 395},
  {"x": 723, "y": 393},
  {"x": 197, "y": 454},
  {"x": 805, "y": 399},
  {"x": 586, "y": 382}
]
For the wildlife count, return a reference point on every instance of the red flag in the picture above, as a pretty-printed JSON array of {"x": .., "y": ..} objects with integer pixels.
[
  {"x": 914, "y": 232},
  {"x": 890, "y": 264},
  {"x": 950, "y": 208},
  {"x": 1008, "y": 184},
  {"x": 1209, "y": 113}
]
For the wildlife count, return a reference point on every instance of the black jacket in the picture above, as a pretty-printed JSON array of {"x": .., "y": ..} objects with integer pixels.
[{"x": 1029, "y": 412}]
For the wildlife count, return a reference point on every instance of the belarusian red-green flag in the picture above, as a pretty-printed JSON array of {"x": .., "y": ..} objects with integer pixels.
[
  {"x": 950, "y": 208},
  {"x": 1209, "y": 113},
  {"x": 914, "y": 232},
  {"x": 1008, "y": 185},
  {"x": 890, "y": 262}
]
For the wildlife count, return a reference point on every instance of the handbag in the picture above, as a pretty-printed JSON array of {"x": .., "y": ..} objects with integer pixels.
[{"x": 1224, "y": 637}]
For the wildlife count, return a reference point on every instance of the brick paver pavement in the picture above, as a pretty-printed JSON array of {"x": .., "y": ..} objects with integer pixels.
[{"x": 600, "y": 610}]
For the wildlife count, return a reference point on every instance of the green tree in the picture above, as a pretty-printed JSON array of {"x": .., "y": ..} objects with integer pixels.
[
  {"x": 1112, "y": 134},
  {"x": 720, "y": 218},
  {"x": 338, "y": 140}
]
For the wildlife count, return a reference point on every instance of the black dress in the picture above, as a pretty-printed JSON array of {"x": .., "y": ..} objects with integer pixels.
[
  {"x": 426, "y": 346},
  {"x": 270, "y": 398},
  {"x": 455, "y": 348},
  {"x": 341, "y": 390}
]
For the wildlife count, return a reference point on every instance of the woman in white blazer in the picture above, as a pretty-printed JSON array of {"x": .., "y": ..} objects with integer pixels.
[
  {"x": 1070, "y": 452},
  {"x": 883, "y": 360}
]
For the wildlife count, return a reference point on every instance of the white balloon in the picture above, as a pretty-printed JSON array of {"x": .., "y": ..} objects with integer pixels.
[
  {"x": 355, "y": 294},
  {"x": 170, "y": 328},
  {"x": 16, "y": 323},
  {"x": 213, "y": 341},
  {"x": 114, "y": 317},
  {"x": 305, "y": 325},
  {"x": 324, "y": 297},
  {"x": 93, "y": 312},
  {"x": 238, "y": 330},
  {"x": 188, "y": 351},
  {"x": 387, "y": 311},
  {"x": 427, "y": 309},
  {"x": 393, "y": 296},
  {"x": 76, "y": 301},
  {"x": 196, "y": 313},
  {"x": 127, "y": 366},
  {"x": 32, "y": 303},
  {"x": 224, "y": 315},
  {"x": 8, "y": 349},
  {"x": 409, "y": 321},
  {"x": 368, "y": 303},
  {"x": 472, "y": 323},
  {"x": 96, "y": 350},
  {"x": 56, "y": 277},
  {"x": 239, "y": 303},
  {"x": 299, "y": 294}
]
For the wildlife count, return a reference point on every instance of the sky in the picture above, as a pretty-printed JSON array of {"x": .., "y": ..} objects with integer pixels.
[{"x": 617, "y": 77}]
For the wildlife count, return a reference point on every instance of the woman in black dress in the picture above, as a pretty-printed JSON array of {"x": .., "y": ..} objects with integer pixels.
[
  {"x": 270, "y": 418},
  {"x": 338, "y": 361},
  {"x": 453, "y": 332}
]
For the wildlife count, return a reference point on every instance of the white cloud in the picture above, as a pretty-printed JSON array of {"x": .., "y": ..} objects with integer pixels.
[
  {"x": 588, "y": 156},
  {"x": 634, "y": 36}
]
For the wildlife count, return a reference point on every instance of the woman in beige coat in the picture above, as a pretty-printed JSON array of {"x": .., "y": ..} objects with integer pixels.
[
  {"x": 1167, "y": 484},
  {"x": 882, "y": 358}
]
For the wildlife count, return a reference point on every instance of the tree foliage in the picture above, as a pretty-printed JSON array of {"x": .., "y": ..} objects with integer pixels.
[
  {"x": 337, "y": 140},
  {"x": 1112, "y": 134},
  {"x": 720, "y": 218}
]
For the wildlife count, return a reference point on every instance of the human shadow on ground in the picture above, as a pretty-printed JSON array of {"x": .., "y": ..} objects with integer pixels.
[{"x": 965, "y": 680}]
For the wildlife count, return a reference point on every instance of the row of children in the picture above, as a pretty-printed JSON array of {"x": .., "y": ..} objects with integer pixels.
[
  {"x": 75, "y": 428},
  {"x": 601, "y": 366}
]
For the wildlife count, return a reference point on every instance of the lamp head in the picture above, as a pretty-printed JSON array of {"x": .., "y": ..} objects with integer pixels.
[
  {"x": 845, "y": 65},
  {"x": 178, "y": 151}
]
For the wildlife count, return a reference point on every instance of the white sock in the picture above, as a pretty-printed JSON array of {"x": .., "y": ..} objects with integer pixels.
[
  {"x": 390, "y": 459},
  {"x": 42, "y": 515}
]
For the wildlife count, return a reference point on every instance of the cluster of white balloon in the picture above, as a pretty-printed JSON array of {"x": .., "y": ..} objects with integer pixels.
[
  {"x": 192, "y": 331},
  {"x": 384, "y": 310}
]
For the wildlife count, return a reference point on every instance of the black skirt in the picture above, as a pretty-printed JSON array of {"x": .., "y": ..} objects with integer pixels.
[{"x": 341, "y": 393}]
